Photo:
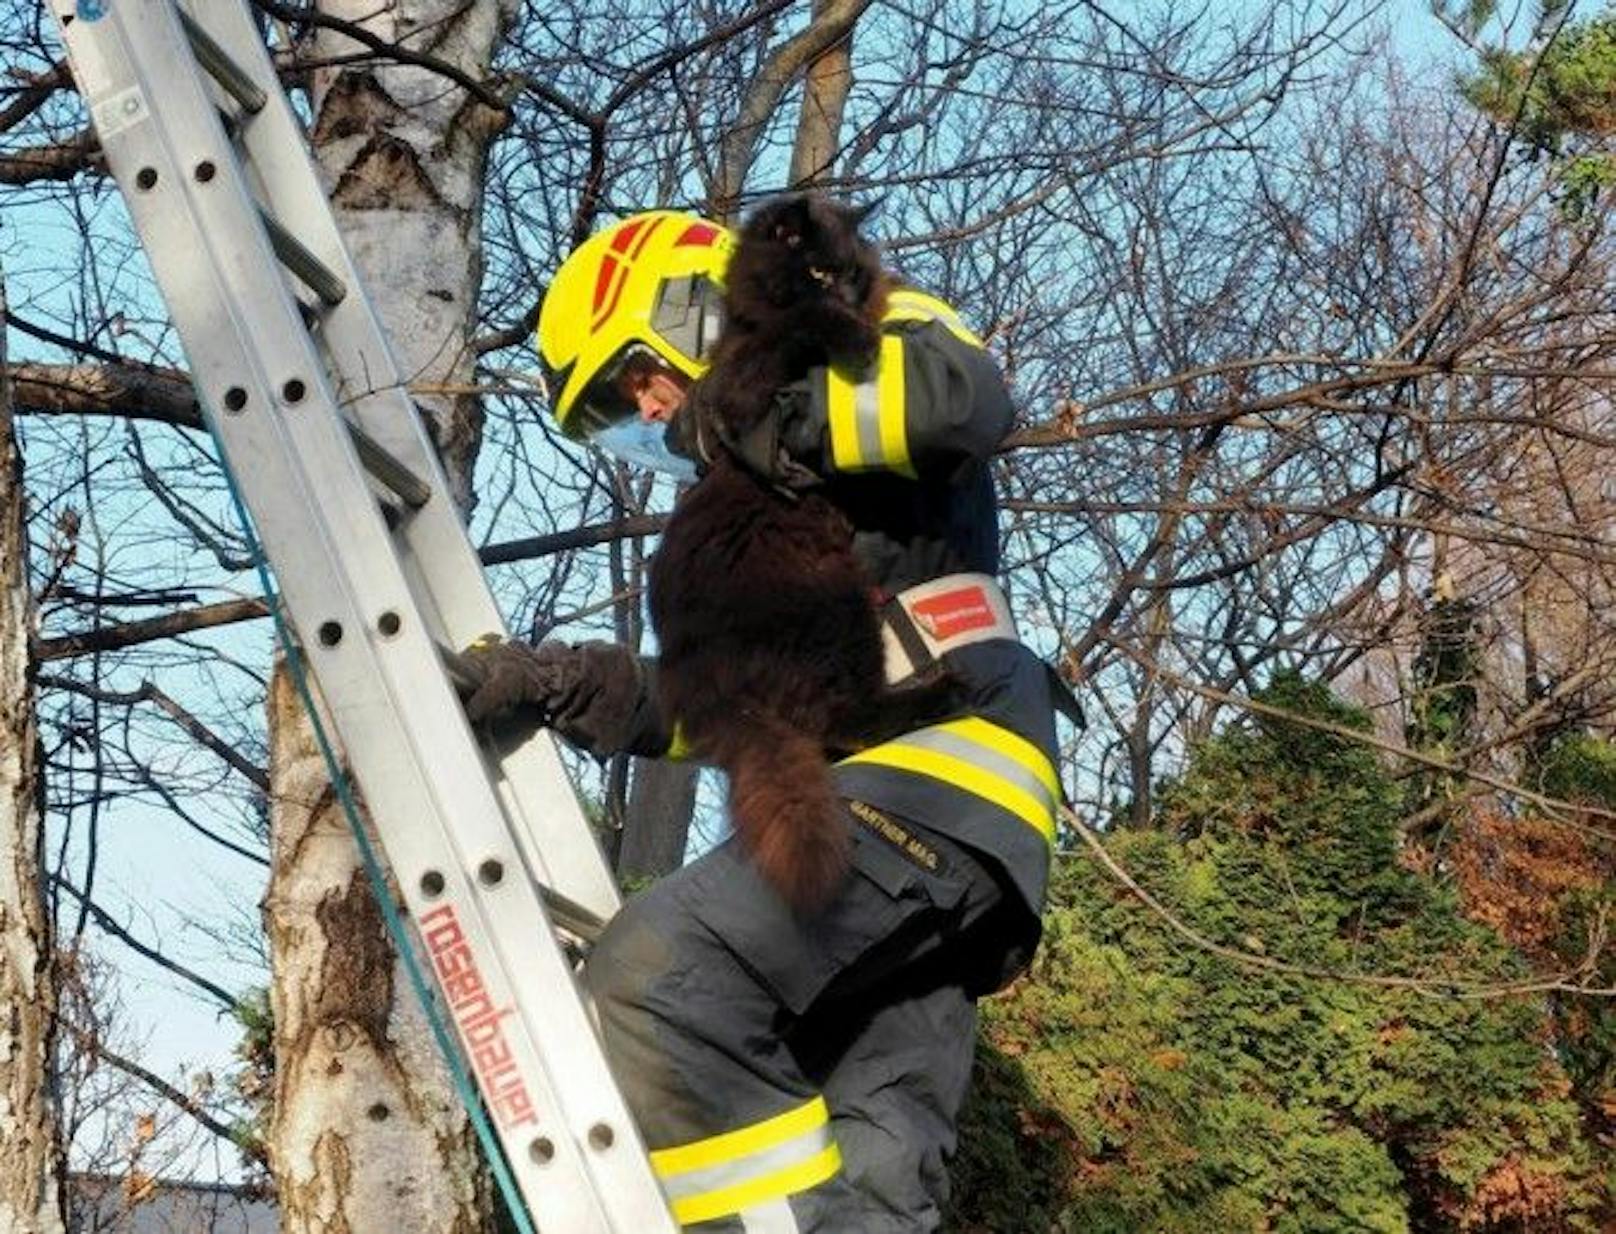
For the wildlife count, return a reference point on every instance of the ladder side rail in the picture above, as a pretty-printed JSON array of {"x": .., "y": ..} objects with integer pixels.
[
  {"x": 236, "y": 313},
  {"x": 206, "y": 316},
  {"x": 556, "y": 839}
]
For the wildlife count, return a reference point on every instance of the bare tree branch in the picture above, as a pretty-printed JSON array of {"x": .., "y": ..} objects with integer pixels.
[
  {"x": 60, "y": 161},
  {"x": 824, "y": 102},
  {"x": 107, "y": 389},
  {"x": 830, "y": 24},
  {"x": 252, "y": 1147},
  {"x": 130, "y": 633},
  {"x": 108, "y": 923}
]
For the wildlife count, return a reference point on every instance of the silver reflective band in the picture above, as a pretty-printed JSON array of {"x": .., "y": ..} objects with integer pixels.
[
  {"x": 746, "y": 1170},
  {"x": 955, "y": 610},
  {"x": 996, "y": 762},
  {"x": 978, "y": 757},
  {"x": 774, "y": 1217},
  {"x": 867, "y": 417},
  {"x": 756, "y": 1165}
]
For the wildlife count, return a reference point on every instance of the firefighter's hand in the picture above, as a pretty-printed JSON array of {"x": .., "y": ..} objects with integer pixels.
[
  {"x": 593, "y": 694},
  {"x": 497, "y": 678}
]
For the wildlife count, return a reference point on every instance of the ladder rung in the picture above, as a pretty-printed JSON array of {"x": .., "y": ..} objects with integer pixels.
[
  {"x": 297, "y": 258},
  {"x": 232, "y": 80},
  {"x": 571, "y": 916},
  {"x": 291, "y": 251},
  {"x": 565, "y": 912},
  {"x": 411, "y": 489}
]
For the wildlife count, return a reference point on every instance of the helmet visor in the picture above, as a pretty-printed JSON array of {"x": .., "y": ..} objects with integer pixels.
[
  {"x": 688, "y": 315},
  {"x": 607, "y": 400},
  {"x": 607, "y": 415}
]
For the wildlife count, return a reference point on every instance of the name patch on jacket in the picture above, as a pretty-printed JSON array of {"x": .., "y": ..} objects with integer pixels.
[
  {"x": 909, "y": 845},
  {"x": 954, "y": 612}
]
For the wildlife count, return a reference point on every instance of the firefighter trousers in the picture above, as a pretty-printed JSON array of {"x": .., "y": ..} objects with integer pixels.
[{"x": 802, "y": 1074}]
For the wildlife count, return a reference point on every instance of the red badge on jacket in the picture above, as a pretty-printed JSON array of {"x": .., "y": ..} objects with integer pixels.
[{"x": 954, "y": 612}]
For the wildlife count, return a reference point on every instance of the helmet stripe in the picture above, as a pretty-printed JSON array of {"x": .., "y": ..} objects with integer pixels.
[
  {"x": 603, "y": 280},
  {"x": 645, "y": 237},
  {"x": 624, "y": 238},
  {"x": 699, "y": 234},
  {"x": 604, "y": 314},
  {"x": 614, "y": 274}
]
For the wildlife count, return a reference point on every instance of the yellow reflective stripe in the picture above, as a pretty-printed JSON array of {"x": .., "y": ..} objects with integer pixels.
[
  {"x": 841, "y": 410},
  {"x": 718, "y": 1149},
  {"x": 965, "y": 775},
  {"x": 907, "y": 305},
  {"x": 944, "y": 752},
  {"x": 890, "y": 407},
  {"x": 868, "y": 427},
  {"x": 1012, "y": 745},
  {"x": 788, "y": 1181},
  {"x": 678, "y": 747}
]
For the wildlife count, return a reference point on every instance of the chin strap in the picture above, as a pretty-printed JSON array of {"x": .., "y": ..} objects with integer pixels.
[{"x": 698, "y": 434}]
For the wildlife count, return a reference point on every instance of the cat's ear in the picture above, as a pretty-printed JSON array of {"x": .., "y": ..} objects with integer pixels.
[
  {"x": 793, "y": 223},
  {"x": 858, "y": 215}
]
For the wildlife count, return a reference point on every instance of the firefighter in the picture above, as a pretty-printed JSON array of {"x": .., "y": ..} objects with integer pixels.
[{"x": 804, "y": 1072}]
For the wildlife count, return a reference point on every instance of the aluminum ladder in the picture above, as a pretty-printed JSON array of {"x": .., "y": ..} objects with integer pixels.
[{"x": 489, "y": 845}]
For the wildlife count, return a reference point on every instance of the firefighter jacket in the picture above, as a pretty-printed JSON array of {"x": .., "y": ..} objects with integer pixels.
[{"x": 904, "y": 451}]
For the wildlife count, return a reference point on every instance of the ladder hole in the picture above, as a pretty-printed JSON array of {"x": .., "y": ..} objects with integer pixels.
[
  {"x": 432, "y": 884},
  {"x": 492, "y": 872},
  {"x": 235, "y": 398},
  {"x": 378, "y": 1113},
  {"x": 330, "y": 633},
  {"x": 600, "y": 1137},
  {"x": 293, "y": 391},
  {"x": 205, "y": 171},
  {"x": 146, "y": 179},
  {"x": 542, "y": 1151},
  {"x": 389, "y": 624}
]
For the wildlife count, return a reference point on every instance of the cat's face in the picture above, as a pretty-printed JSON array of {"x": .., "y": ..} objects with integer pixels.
[{"x": 799, "y": 247}]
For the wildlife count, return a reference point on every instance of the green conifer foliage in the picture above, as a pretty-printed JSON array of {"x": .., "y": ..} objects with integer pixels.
[
  {"x": 1582, "y": 769},
  {"x": 1563, "y": 91},
  {"x": 1135, "y": 1082}
]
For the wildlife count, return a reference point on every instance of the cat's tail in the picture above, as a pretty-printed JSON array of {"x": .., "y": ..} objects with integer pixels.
[{"x": 786, "y": 810}]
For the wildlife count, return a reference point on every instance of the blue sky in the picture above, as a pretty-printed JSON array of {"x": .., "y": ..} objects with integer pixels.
[{"x": 155, "y": 874}]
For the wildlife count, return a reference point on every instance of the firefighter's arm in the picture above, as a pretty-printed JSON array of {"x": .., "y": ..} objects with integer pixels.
[
  {"x": 598, "y": 695},
  {"x": 934, "y": 402}
]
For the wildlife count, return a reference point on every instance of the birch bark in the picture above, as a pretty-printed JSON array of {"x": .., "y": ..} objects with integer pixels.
[
  {"x": 367, "y": 1133},
  {"x": 30, "y": 1149}
]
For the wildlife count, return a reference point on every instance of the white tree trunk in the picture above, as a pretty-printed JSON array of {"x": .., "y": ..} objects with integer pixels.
[
  {"x": 367, "y": 1134},
  {"x": 30, "y": 1151}
]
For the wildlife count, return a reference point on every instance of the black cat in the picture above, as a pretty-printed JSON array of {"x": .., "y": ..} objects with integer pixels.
[{"x": 770, "y": 642}]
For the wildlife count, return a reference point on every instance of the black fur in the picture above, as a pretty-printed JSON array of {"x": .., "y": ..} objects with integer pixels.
[{"x": 769, "y": 640}]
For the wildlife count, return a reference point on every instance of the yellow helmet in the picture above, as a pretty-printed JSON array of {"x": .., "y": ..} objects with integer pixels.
[{"x": 653, "y": 282}]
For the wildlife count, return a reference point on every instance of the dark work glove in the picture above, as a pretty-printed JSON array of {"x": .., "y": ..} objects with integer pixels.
[
  {"x": 496, "y": 678},
  {"x": 595, "y": 694}
]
